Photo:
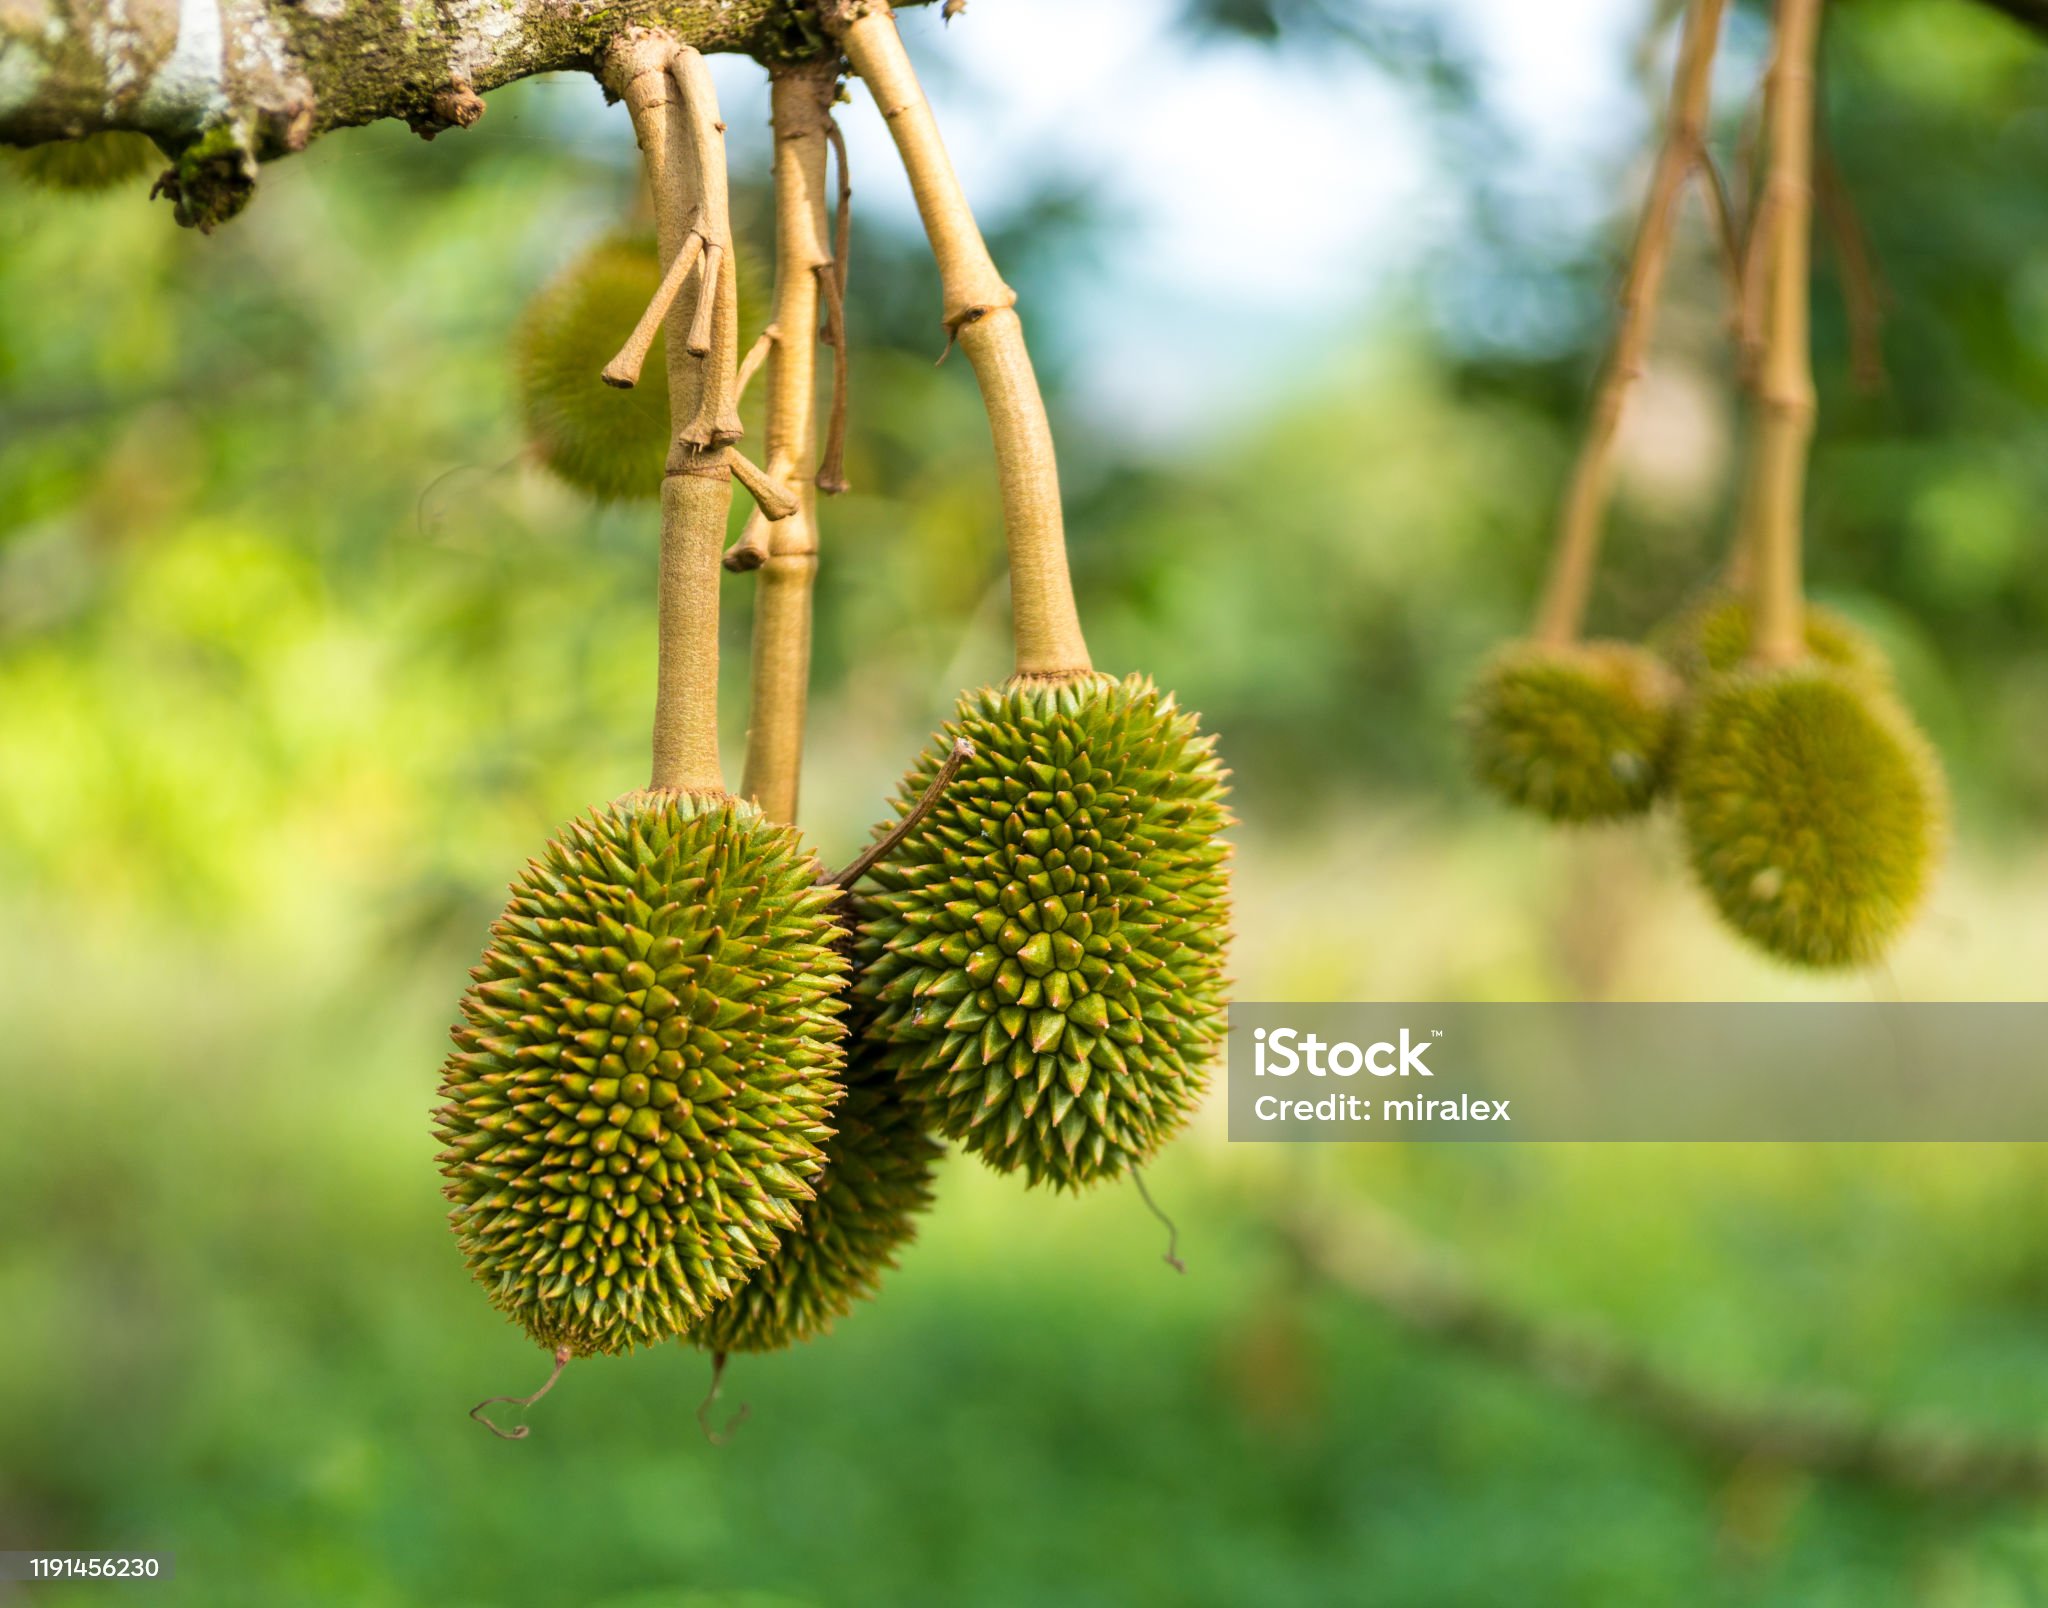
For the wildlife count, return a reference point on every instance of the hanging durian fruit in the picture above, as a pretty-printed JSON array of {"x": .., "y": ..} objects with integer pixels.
[
  {"x": 642, "y": 1087},
  {"x": 609, "y": 441},
  {"x": 877, "y": 1182},
  {"x": 879, "y": 1164},
  {"x": 1577, "y": 731},
  {"x": 1715, "y": 634},
  {"x": 1813, "y": 809},
  {"x": 97, "y": 162},
  {"x": 640, "y": 1093},
  {"x": 1581, "y": 731},
  {"x": 1043, "y": 955}
]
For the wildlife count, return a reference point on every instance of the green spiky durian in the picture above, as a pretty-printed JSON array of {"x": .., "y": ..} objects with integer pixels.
[
  {"x": 1813, "y": 810},
  {"x": 640, "y": 1091},
  {"x": 608, "y": 442},
  {"x": 877, "y": 1182},
  {"x": 97, "y": 162},
  {"x": 1043, "y": 955},
  {"x": 1713, "y": 636},
  {"x": 1578, "y": 732}
]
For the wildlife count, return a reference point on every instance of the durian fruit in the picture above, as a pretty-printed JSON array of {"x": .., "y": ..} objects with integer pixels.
[
  {"x": 1043, "y": 955},
  {"x": 608, "y": 442},
  {"x": 639, "y": 1098},
  {"x": 1813, "y": 810},
  {"x": 1713, "y": 636},
  {"x": 97, "y": 162},
  {"x": 877, "y": 1182},
  {"x": 1578, "y": 731}
]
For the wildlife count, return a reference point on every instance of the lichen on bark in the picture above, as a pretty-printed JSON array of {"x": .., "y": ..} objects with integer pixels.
[{"x": 224, "y": 85}]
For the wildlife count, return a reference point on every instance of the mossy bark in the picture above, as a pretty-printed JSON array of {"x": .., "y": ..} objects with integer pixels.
[{"x": 225, "y": 84}]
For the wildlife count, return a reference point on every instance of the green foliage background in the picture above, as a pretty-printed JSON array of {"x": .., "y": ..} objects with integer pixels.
[{"x": 298, "y": 661}]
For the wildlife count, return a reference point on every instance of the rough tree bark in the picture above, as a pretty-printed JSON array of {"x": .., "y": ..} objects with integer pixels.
[{"x": 225, "y": 84}]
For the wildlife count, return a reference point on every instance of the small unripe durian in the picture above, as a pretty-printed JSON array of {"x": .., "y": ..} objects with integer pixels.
[
  {"x": 1580, "y": 732},
  {"x": 608, "y": 442},
  {"x": 877, "y": 1182},
  {"x": 97, "y": 162},
  {"x": 1813, "y": 810},
  {"x": 1043, "y": 955},
  {"x": 602, "y": 440},
  {"x": 1712, "y": 637},
  {"x": 642, "y": 1085}
]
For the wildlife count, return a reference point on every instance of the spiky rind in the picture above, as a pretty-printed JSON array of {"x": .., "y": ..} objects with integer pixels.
[
  {"x": 97, "y": 162},
  {"x": 1813, "y": 810},
  {"x": 607, "y": 442},
  {"x": 1580, "y": 732},
  {"x": 641, "y": 1086},
  {"x": 1043, "y": 956},
  {"x": 876, "y": 1184},
  {"x": 610, "y": 443},
  {"x": 1712, "y": 637}
]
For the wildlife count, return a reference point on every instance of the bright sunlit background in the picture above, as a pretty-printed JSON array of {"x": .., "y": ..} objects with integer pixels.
[{"x": 300, "y": 659}]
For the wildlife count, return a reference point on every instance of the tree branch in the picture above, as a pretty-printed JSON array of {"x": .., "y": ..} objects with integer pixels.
[
  {"x": 225, "y": 84},
  {"x": 1372, "y": 1256}
]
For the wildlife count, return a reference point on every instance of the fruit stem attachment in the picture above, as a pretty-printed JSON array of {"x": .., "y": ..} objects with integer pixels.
[
  {"x": 786, "y": 553},
  {"x": 675, "y": 119},
  {"x": 718, "y": 1437},
  {"x": 750, "y": 365},
  {"x": 885, "y": 845},
  {"x": 623, "y": 371},
  {"x": 523, "y": 1430},
  {"x": 1785, "y": 404},
  {"x": 980, "y": 313},
  {"x": 1561, "y": 612},
  {"x": 775, "y": 500},
  {"x": 1171, "y": 1259}
]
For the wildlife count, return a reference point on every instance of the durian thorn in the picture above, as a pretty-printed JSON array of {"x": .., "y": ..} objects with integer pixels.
[
  {"x": 1560, "y": 612},
  {"x": 775, "y": 500},
  {"x": 719, "y": 1437},
  {"x": 886, "y": 844},
  {"x": 750, "y": 365},
  {"x": 1172, "y": 1229},
  {"x": 623, "y": 371},
  {"x": 562, "y": 1355},
  {"x": 980, "y": 312},
  {"x": 700, "y": 320}
]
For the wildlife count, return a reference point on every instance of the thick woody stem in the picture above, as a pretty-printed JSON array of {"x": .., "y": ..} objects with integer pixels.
[
  {"x": 1562, "y": 609},
  {"x": 980, "y": 312},
  {"x": 1785, "y": 395},
  {"x": 675, "y": 118},
  {"x": 786, "y": 553}
]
